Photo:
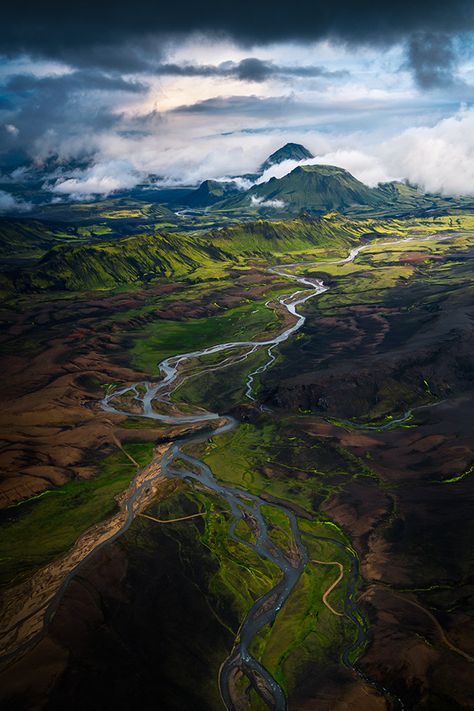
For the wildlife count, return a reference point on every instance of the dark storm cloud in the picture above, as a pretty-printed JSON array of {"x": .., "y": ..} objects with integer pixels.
[
  {"x": 5, "y": 104},
  {"x": 357, "y": 113},
  {"x": 56, "y": 108},
  {"x": 251, "y": 105},
  {"x": 89, "y": 31},
  {"x": 433, "y": 59},
  {"x": 253, "y": 69},
  {"x": 249, "y": 69},
  {"x": 68, "y": 83}
]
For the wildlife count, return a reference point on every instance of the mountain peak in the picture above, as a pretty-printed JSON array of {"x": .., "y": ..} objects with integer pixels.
[{"x": 290, "y": 151}]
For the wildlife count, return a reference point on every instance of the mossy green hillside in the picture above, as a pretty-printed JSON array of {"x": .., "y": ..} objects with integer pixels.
[
  {"x": 319, "y": 188},
  {"x": 108, "y": 264},
  {"x": 142, "y": 258},
  {"x": 309, "y": 187},
  {"x": 305, "y": 631},
  {"x": 240, "y": 576},
  {"x": 306, "y": 634}
]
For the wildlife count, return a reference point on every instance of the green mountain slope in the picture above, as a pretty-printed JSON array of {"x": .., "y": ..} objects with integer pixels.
[
  {"x": 22, "y": 238},
  {"x": 408, "y": 198},
  {"x": 318, "y": 188},
  {"x": 138, "y": 259},
  {"x": 129, "y": 260},
  {"x": 286, "y": 236},
  {"x": 144, "y": 258}
]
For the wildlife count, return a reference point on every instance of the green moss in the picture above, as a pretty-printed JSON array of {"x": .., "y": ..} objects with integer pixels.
[
  {"x": 242, "y": 575},
  {"x": 243, "y": 531},
  {"x": 279, "y": 529},
  {"x": 106, "y": 265},
  {"x": 459, "y": 477},
  {"x": 43, "y": 527},
  {"x": 306, "y": 634},
  {"x": 163, "y": 338},
  {"x": 261, "y": 458}
]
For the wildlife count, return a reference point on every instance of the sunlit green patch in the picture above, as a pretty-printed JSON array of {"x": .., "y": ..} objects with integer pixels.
[
  {"x": 163, "y": 338},
  {"x": 459, "y": 477},
  {"x": 241, "y": 576},
  {"x": 306, "y": 633},
  {"x": 245, "y": 532},
  {"x": 259, "y": 458},
  {"x": 279, "y": 529},
  {"x": 41, "y": 529}
]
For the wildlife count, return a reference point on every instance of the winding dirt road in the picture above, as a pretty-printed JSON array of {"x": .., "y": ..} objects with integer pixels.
[{"x": 333, "y": 585}]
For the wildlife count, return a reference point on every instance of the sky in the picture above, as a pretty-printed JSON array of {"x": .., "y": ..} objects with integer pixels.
[{"x": 95, "y": 98}]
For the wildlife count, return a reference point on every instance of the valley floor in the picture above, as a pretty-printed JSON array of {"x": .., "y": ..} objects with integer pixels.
[{"x": 364, "y": 434}]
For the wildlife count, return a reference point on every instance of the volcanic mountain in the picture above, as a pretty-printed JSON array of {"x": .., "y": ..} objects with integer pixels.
[
  {"x": 318, "y": 188},
  {"x": 290, "y": 151}
]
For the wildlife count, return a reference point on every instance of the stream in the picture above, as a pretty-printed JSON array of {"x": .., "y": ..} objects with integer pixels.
[
  {"x": 148, "y": 398},
  {"x": 244, "y": 505}
]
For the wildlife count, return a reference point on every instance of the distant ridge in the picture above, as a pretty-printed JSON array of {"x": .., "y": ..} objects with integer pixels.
[
  {"x": 210, "y": 192},
  {"x": 147, "y": 258},
  {"x": 318, "y": 189}
]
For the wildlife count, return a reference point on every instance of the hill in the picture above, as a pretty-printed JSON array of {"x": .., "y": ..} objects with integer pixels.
[
  {"x": 22, "y": 238},
  {"x": 138, "y": 259},
  {"x": 130, "y": 260},
  {"x": 210, "y": 192},
  {"x": 113, "y": 211},
  {"x": 278, "y": 237},
  {"x": 145, "y": 258},
  {"x": 317, "y": 188}
]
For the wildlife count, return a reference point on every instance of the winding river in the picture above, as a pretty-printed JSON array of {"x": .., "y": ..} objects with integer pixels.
[
  {"x": 152, "y": 400},
  {"x": 243, "y": 505}
]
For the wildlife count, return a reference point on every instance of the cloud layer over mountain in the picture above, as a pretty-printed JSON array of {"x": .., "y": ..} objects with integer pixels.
[{"x": 94, "y": 98}]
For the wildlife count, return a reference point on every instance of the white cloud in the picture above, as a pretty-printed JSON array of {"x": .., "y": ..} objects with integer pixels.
[
  {"x": 100, "y": 179},
  {"x": 260, "y": 202},
  {"x": 32, "y": 66},
  {"x": 280, "y": 169},
  {"x": 240, "y": 183},
  {"x": 438, "y": 158},
  {"x": 188, "y": 153},
  {"x": 8, "y": 203},
  {"x": 11, "y": 129},
  {"x": 367, "y": 168},
  {"x": 375, "y": 123}
]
